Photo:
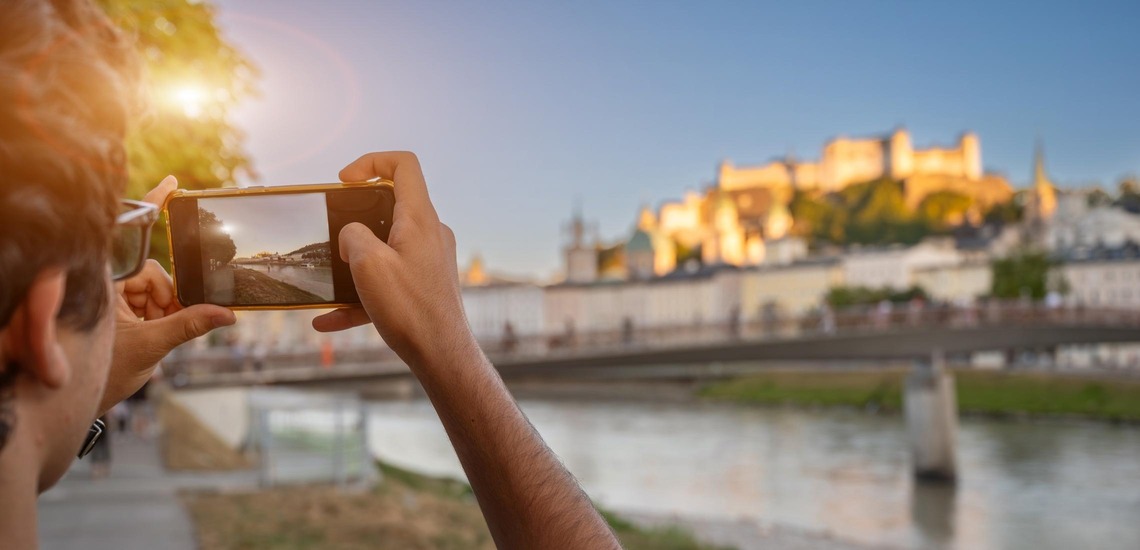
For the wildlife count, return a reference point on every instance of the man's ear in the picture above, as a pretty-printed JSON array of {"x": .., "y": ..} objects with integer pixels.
[{"x": 31, "y": 339}]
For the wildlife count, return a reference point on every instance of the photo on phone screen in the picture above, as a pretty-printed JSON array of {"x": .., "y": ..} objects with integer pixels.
[
  {"x": 253, "y": 254},
  {"x": 271, "y": 247}
]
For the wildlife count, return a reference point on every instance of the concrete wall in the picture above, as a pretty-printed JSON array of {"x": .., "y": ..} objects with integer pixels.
[{"x": 225, "y": 411}]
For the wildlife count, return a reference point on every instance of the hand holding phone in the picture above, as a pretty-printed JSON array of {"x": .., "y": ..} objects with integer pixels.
[
  {"x": 409, "y": 285},
  {"x": 271, "y": 247}
]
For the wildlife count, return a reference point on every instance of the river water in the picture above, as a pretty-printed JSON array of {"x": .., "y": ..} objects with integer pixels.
[{"x": 1039, "y": 485}]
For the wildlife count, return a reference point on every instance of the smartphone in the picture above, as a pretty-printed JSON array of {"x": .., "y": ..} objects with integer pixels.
[{"x": 270, "y": 247}]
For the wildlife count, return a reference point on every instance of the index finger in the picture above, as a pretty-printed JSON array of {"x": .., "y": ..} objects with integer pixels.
[
  {"x": 157, "y": 196},
  {"x": 403, "y": 168}
]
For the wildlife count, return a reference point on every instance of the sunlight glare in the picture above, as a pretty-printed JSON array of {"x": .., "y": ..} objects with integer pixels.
[{"x": 190, "y": 99}]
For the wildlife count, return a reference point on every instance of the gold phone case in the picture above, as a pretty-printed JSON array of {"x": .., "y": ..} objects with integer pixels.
[{"x": 259, "y": 190}]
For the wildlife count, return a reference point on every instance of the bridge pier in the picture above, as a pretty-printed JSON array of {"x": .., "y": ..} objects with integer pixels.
[{"x": 931, "y": 408}]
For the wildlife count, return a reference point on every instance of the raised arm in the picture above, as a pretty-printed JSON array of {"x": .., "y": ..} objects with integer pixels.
[{"x": 410, "y": 291}]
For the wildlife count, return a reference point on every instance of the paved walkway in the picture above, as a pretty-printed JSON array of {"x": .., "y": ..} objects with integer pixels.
[{"x": 136, "y": 507}]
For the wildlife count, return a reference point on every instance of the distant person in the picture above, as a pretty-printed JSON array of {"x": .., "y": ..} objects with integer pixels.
[
  {"x": 101, "y": 454},
  {"x": 328, "y": 354},
  {"x": 883, "y": 314},
  {"x": 510, "y": 340},
  {"x": 260, "y": 353},
  {"x": 827, "y": 319},
  {"x": 119, "y": 418},
  {"x": 72, "y": 345}
]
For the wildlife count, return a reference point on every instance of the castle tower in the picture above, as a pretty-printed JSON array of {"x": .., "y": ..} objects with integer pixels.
[
  {"x": 581, "y": 259},
  {"x": 971, "y": 156},
  {"x": 778, "y": 222},
  {"x": 724, "y": 238},
  {"x": 1043, "y": 202},
  {"x": 475, "y": 274},
  {"x": 900, "y": 155},
  {"x": 646, "y": 220}
]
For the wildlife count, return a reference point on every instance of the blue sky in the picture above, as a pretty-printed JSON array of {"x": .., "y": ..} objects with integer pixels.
[{"x": 517, "y": 109}]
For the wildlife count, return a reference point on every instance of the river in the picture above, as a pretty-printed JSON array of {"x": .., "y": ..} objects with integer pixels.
[{"x": 1024, "y": 484}]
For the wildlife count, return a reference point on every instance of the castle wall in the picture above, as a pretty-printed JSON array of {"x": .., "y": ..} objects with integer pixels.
[{"x": 847, "y": 161}]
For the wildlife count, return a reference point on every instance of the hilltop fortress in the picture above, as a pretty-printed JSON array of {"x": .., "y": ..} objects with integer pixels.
[
  {"x": 846, "y": 161},
  {"x": 743, "y": 217}
]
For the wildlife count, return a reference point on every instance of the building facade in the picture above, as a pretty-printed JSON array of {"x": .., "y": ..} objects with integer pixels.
[{"x": 895, "y": 267}]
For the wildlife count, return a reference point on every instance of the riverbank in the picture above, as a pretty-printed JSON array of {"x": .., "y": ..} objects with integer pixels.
[
  {"x": 255, "y": 287},
  {"x": 404, "y": 511},
  {"x": 995, "y": 393}
]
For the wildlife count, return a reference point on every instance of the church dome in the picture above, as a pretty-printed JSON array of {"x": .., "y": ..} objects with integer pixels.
[{"x": 639, "y": 242}]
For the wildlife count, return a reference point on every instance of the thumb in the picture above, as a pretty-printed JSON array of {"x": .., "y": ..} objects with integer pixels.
[
  {"x": 189, "y": 323},
  {"x": 357, "y": 242}
]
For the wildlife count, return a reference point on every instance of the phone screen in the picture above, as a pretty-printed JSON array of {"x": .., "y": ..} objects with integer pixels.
[{"x": 269, "y": 249}]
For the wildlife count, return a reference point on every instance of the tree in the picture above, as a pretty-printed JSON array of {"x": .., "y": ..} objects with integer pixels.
[
  {"x": 942, "y": 210},
  {"x": 879, "y": 214},
  {"x": 1007, "y": 212},
  {"x": 193, "y": 77},
  {"x": 1026, "y": 274},
  {"x": 217, "y": 246},
  {"x": 1129, "y": 198}
]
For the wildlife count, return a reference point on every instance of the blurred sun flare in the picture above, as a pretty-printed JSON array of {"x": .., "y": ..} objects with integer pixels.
[{"x": 189, "y": 98}]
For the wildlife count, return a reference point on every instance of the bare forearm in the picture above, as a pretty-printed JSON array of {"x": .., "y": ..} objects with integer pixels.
[{"x": 527, "y": 497}]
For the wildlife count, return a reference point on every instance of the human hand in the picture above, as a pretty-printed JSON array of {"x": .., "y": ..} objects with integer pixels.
[
  {"x": 409, "y": 286},
  {"x": 149, "y": 321}
]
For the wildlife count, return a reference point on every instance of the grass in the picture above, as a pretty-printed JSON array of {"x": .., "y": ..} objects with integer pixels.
[
  {"x": 406, "y": 510},
  {"x": 986, "y": 392},
  {"x": 254, "y": 287}
]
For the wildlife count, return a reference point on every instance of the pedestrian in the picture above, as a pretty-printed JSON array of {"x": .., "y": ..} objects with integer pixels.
[
  {"x": 101, "y": 454},
  {"x": 328, "y": 357}
]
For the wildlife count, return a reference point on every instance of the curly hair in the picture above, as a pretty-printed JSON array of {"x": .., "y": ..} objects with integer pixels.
[{"x": 68, "y": 85}]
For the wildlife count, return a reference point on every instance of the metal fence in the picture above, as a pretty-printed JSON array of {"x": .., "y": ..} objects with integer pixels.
[{"x": 307, "y": 437}]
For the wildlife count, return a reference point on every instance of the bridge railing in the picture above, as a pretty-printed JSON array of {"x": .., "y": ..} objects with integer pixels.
[{"x": 632, "y": 338}]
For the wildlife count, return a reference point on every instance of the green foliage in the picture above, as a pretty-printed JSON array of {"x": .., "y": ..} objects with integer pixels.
[
  {"x": 686, "y": 253},
  {"x": 1098, "y": 197},
  {"x": 1129, "y": 194},
  {"x": 1021, "y": 275},
  {"x": 632, "y": 537},
  {"x": 940, "y": 210},
  {"x": 845, "y": 296},
  {"x": 218, "y": 247},
  {"x": 661, "y": 538},
  {"x": 880, "y": 215},
  {"x": 193, "y": 77},
  {"x": 987, "y": 392},
  {"x": 817, "y": 219},
  {"x": 875, "y": 212},
  {"x": 1008, "y": 212}
]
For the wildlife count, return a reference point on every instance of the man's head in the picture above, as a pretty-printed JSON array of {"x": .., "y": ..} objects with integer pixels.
[{"x": 67, "y": 85}]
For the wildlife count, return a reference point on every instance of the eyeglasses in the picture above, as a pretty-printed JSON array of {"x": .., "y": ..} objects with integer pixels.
[{"x": 130, "y": 240}]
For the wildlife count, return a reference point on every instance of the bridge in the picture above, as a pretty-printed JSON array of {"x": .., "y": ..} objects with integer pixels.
[{"x": 868, "y": 336}]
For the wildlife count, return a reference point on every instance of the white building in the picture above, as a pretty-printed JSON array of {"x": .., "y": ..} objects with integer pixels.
[
  {"x": 956, "y": 283},
  {"x": 708, "y": 297},
  {"x": 894, "y": 267},
  {"x": 490, "y": 307},
  {"x": 1112, "y": 283},
  {"x": 1075, "y": 228},
  {"x": 794, "y": 289}
]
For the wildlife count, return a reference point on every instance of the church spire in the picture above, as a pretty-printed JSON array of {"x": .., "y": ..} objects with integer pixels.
[
  {"x": 1040, "y": 179},
  {"x": 1044, "y": 194}
]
